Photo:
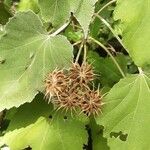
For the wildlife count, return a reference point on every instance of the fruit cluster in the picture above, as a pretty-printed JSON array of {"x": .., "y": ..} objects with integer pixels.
[{"x": 70, "y": 89}]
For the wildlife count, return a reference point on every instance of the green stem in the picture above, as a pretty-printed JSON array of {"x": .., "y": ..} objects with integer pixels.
[
  {"x": 111, "y": 29},
  {"x": 76, "y": 43},
  {"x": 140, "y": 70},
  {"x": 79, "y": 52},
  {"x": 62, "y": 28},
  {"x": 109, "y": 3},
  {"x": 85, "y": 52},
  {"x": 108, "y": 52}
]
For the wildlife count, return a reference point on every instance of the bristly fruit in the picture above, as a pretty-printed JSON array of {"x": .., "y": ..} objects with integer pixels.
[
  {"x": 70, "y": 91},
  {"x": 54, "y": 83},
  {"x": 81, "y": 74},
  {"x": 91, "y": 103},
  {"x": 68, "y": 100}
]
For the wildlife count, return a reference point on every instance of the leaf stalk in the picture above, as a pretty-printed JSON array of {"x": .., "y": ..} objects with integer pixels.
[{"x": 112, "y": 57}]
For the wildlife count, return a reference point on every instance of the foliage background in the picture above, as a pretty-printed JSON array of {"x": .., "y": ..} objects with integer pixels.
[{"x": 37, "y": 36}]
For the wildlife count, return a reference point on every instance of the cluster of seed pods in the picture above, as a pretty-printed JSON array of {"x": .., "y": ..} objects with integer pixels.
[{"x": 70, "y": 90}]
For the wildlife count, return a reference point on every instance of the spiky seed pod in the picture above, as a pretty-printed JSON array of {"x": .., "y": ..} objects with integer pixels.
[
  {"x": 81, "y": 74},
  {"x": 68, "y": 100},
  {"x": 70, "y": 90},
  {"x": 55, "y": 83},
  {"x": 91, "y": 103}
]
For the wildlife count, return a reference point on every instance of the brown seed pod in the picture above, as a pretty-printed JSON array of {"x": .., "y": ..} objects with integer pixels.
[
  {"x": 70, "y": 90},
  {"x": 68, "y": 100},
  {"x": 91, "y": 103},
  {"x": 81, "y": 74},
  {"x": 55, "y": 83}
]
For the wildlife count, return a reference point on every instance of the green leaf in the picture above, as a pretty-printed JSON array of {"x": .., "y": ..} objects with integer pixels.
[
  {"x": 135, "y": 16},
  {"x": 44, "y": 133},
  {"x": 8, "y": 2},
  {"x": 1, "y": 30},
  {"x": 27, "y": 54},
  {"x": 72, "y": 35},
  {"x": 58, "y": 12},
  {"x": 4, "y": 14},
  {"x": 126, "y": 111},
  {"x": 98, "y": 141},
  {"x": 109, "y": 73},
  {"x": 37, "y": 108},
  {"x": 28, "y": 4},
  {"x": 97, "y": 27}
]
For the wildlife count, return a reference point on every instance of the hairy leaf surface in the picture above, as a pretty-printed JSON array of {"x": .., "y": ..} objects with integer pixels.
[
  {"x": 27, "y": 53},
  {"x": 126, "y": 110},
  {"x": 58, "y": 12},
  {"x": 50, "y": 131},
  {"x": 135, "y": 18},
  {"x": 28, "y": 4}
]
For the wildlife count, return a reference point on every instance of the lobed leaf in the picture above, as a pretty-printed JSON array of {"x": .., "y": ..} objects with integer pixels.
[
  {"x": 27, "y": 54},
  {"x": 126, "y": 113},
  {"x": 58, "y": 12},
  {"x": 50, "y": 131}
]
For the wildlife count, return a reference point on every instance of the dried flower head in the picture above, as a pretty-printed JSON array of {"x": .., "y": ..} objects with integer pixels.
[
  {"x": 81, "y": 74},
  {"x": 91, "y": 103},
  {"x": 55, "y": 83}
]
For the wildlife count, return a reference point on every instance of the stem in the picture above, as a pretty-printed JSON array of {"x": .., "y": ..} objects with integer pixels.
[
  {"x": 85, "y": 52},
  {"x": 113, "y": 59},
  {"x": 109, "y": 3},
  {"x": 140, "y": 70},
  {"x": 79, "y": 52},
  {"x": 112, "y": 48},
  {"x": 76, "y": 43},
  {"x": 111, "y": 29},
  {"x": 76, "y": 26},
  {"x": 60, "y": 29}
]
